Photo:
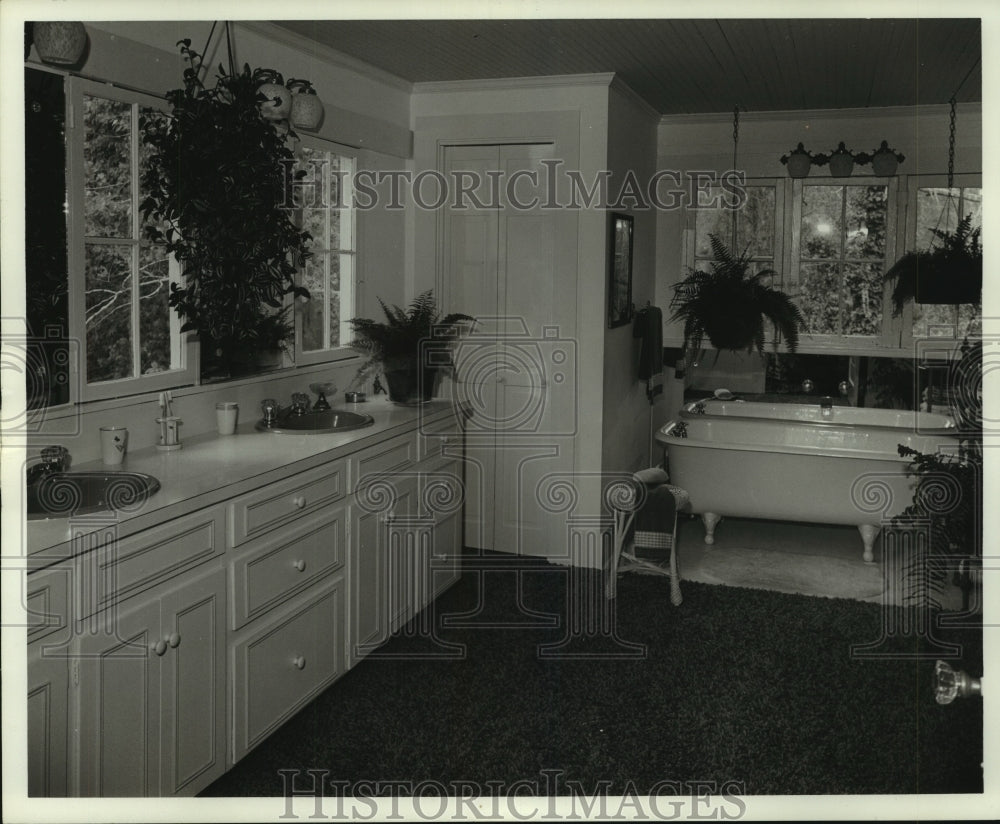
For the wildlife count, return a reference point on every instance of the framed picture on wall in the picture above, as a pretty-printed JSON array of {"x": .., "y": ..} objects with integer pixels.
[{"x": 620, "y": 271}]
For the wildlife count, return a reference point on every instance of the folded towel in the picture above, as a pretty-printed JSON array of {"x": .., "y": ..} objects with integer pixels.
[
  {"x": 654, "y": 475},
  {"x": 648, "y": 325},
  {"x": 654, "y": 522}
]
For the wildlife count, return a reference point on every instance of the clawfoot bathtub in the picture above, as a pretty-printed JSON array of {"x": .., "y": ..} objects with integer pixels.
[{"x": 798, "y": 462}]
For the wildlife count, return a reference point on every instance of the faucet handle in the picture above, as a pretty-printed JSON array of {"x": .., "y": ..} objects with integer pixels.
[{"x": 300, "y": 403}]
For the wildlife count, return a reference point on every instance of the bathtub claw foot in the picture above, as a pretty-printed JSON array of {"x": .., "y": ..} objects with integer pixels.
[
  {"x": 709, "y": 519},
  {"x": 868, "y": 533}
]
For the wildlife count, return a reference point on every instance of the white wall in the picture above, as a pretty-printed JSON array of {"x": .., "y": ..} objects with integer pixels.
[{"x": 627, "y": 413}]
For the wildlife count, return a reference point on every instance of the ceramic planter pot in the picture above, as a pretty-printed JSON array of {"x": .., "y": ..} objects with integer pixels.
[
  {"x": 307, "y": 108},
  {"x": 409, "y": 383},
  {"x": 60, "y": 43},
  {"x": 885, "y": 161},
  {"x": 799, "y": 162},
  {"x": 841, "y": 162}
]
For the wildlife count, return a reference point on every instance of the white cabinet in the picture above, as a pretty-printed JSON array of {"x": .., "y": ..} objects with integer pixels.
[
  {"x": 149, "y": 692},
  {"x": 282, "y": 662},
  {"x": 157, "y": 660},
  {"x": 48, "y": 686}
]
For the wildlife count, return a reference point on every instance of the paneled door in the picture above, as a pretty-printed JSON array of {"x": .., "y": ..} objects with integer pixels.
[{"x": 509, "y": 259}]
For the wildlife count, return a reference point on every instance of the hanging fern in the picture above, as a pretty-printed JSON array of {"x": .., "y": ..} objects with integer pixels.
[
  {"x": 729, "y": 304},
  {"x": 951, "y": 272}
]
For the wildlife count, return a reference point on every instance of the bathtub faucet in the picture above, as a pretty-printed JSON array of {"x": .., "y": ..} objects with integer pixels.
[{"x": 826, "y": 406}]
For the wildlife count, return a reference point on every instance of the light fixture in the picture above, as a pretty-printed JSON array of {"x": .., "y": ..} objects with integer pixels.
[
  {"x": 277, "y": 104},
  {"x": 949, "y": 684},
  {"x": 61, "y": 43}
]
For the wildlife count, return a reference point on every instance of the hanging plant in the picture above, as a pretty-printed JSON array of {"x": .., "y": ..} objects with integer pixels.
[
  {"x": 215, "y": 182},
  {"x": 952, "y": 272},
  {"x": 728, "y": 304}
]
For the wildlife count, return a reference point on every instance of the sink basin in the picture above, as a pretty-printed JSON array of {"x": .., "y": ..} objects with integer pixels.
[
  {"x": 324, "y": 421},
  {"x": 62, "y": 494}
]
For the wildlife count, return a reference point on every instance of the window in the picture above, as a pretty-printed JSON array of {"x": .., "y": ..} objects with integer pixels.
[
  {"x": 756, "y": 229},
  {"x": 842, "y": 238},
  {"x": 119, "y": 293},
  {"x": 324, "y": 198},
  {"x": 938, "y": 207}
]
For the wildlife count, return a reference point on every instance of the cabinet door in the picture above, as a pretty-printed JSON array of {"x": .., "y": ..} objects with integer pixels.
[
  {"x": 117, "y": 703},
  {"x": 193, "y": 685},
  {"x": 48, "y": 685},
  {"x": 378, "y": 575}
]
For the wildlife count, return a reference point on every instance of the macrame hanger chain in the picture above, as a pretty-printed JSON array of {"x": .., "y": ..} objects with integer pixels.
[{"x": 736, "y": 144}]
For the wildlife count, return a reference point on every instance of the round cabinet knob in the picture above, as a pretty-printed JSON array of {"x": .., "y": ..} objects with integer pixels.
[
  {"x": 299, "y": 662},
  {"x": 299, "y": 501},
  {"x": 299, "y": 565},
  {"x": 174, "y": 641},
  {"x": 159, "y": 647}
]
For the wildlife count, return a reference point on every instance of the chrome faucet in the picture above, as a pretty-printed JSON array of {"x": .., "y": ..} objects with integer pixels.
[
  {"x": 826, "y": 406},
  {"x": 300, "y": 403},
  {"x": 53, "y": 459}
]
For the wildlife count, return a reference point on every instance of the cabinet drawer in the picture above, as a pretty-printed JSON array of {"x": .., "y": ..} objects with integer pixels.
[
  {"x": 279, "y": 503},
  {"x": 48, "y": 601},
  {"x": 283, "y": 666},
  {"x": 385, "y": 457},
  {"x": 433, "y": 437},
  {"x": 122, "y": 568},
  {"x": 266, "y": 572}
]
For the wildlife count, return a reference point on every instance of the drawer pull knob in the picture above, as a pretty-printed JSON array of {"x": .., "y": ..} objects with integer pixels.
[
  {"x": 174, "y": 641},
  {"x": 299, "y": 501},
  {"x": 299, "y": 662},
  {"x": 159, "y": 647},
  {"x": 299, "y": 565}
]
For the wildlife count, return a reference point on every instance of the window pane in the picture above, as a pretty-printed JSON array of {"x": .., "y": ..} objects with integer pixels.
[
  {"x": 819, "y": 283},
  {"x": 311, "y": 311},
  {"x": 108, "y": 284},
  {"x": 934, "y": 320},
  {"x": 310, "y": 190},
  {"x": 970, "y": 319},
  {"x": 716, "y": 222},
  {"x": 155, "y": 352},
  {"x": 147, "y": 115},
  {"x": 755, "y": 222},
  {"x": 314, "y": 222},
  {"x": 339, "y": 267},
  {"x": 107, "y": 167},
  {"x": 821, "y": 222},
  {"x": 865, "y": 218},
  {"x": 972, "y": 203},
  {"x": 863, "y": 298}
]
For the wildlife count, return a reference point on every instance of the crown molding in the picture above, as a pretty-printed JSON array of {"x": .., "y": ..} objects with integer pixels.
[
  {"x": 505, "y": 83},
  {"x": 786, "y": 115},
  {"x": 619, "y": 85}
]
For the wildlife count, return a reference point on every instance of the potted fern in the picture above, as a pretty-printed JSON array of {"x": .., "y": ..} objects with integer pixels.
[
  {"x": 410, "y": 348},
  {"x": 951, "y": 272},
  {"x": 729, "y": 304}
]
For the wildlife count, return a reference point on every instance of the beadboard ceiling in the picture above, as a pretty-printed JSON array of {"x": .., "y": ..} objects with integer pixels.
[{"x": 687, "y": 66}]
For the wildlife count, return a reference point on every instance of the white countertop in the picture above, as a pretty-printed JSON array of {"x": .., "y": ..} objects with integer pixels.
[{"x": 211, "y": 468}]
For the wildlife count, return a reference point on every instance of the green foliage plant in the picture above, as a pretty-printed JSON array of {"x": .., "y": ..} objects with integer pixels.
[
  {"x": 406, "y": 335},
  {"x": 216, "y": 183},
  {"x": 728, "y": 304},
  {"x": 951, "y": 272}
]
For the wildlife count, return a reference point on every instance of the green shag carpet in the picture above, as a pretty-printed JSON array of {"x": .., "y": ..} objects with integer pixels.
[{"x": 735, "y": 685}]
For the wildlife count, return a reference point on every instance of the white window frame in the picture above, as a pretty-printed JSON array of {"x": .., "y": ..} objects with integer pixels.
[
  {"x": 908, "y": 239},
  {"x": 353, "y": 288},
  {"x": 891, "y": 328},
  {"x": 186, "y": 372}
]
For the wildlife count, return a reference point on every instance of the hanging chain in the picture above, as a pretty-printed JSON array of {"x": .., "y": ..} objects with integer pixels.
[
  {"x": 736, "y": 144},
  {"x": 951, "y": 145}
]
